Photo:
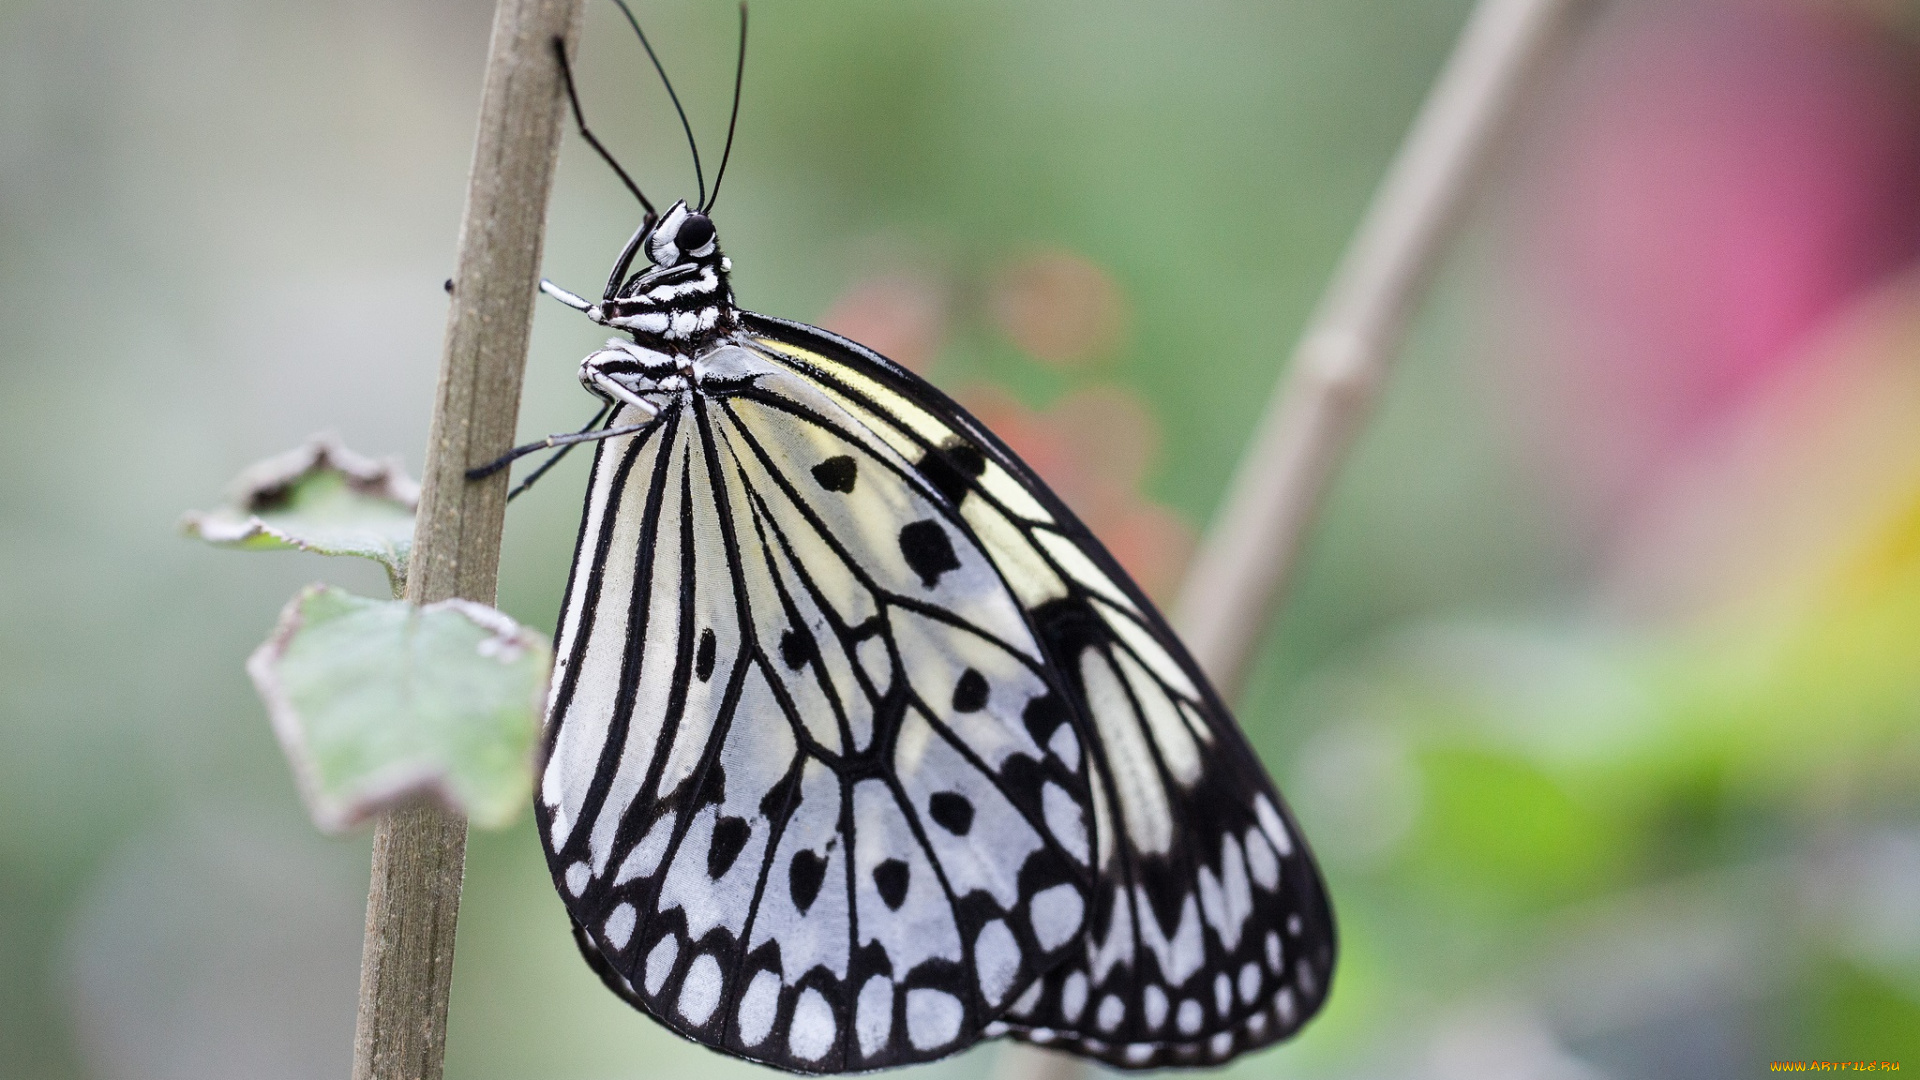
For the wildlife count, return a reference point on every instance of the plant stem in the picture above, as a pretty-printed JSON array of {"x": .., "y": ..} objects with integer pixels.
[
  {"x": 1337, "y": 368},
  {"x": 419, "y": 852},
  {"x": 1342, "y": 357}
]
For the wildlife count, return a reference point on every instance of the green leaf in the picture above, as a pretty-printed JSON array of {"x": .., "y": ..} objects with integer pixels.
[
  {"x": 321, "y": 497},
  {"x": 377, "y": 701}
]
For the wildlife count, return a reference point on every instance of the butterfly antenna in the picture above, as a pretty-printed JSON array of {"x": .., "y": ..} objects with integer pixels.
[
  {"x": 698, "y": 177},
  {"x": 739, "y": 74},
  {"x": 580, "y": 119}
]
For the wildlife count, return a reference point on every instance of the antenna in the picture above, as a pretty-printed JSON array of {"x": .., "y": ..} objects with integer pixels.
[
  {"x": 698, "y": 176},
  {"x": 580, "y": 118},
  {"x": 739, "y": 74}
]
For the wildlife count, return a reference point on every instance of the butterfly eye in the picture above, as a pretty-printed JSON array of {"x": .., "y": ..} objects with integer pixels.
[{"x": 695, "y": 233}]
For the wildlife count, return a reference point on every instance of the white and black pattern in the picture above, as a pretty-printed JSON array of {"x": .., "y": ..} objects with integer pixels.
[{"x": 860, "y": 748}]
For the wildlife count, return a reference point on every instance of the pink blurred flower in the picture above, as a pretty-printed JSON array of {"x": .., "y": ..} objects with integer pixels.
[{"x": 1726, "y": 177}]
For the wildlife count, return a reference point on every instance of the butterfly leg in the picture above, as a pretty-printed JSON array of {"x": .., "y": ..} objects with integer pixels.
[{"x": 562, "y": 442}]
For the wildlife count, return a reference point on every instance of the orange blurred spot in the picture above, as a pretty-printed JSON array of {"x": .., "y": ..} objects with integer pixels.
[
  {"x": 901, "y": 316},
  {"x": 1093, "y": 449},
  {"x": 1060, "y": 307}
]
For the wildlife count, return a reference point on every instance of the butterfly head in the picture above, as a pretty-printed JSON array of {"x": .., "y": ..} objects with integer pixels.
[{"x": 681, "y": 298}]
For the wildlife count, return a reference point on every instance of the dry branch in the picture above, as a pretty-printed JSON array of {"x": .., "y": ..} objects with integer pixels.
[
  {"x": 419, "y": 853},
  {"x": 1343, "y": 355}
]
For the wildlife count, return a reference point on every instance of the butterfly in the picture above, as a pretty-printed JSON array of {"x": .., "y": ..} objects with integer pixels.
[{"x": 860, "y": 748}]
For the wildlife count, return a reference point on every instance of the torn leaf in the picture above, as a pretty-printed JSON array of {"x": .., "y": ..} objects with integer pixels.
[
  {"x": 376, "y": 701},
  {"x": 321, "y": 497}
]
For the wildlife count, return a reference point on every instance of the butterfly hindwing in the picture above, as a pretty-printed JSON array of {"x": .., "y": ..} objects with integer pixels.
[{"x": 1209, "y": 932}]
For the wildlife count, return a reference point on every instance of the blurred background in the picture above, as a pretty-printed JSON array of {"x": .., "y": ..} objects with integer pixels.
[{"x": 1598, "y": 693}]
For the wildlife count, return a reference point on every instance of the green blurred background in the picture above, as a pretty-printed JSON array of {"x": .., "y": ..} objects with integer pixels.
[{"x": 1597, "y": 693}]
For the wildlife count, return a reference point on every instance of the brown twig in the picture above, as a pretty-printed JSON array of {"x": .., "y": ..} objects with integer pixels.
[
  {"x": 1343, "y": 355},
  {"x": 1341, "y": 360},
  {"x": 419, "y": 852}
]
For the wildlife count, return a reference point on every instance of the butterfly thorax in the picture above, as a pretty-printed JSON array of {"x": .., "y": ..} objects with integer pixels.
[{"x": 683, "y": 302}]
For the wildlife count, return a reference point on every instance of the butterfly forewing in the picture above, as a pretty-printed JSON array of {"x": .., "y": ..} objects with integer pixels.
[{"x": 794, "y": 797}]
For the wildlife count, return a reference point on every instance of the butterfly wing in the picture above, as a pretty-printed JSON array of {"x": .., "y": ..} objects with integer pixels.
[
  {"x": 792, "y": 796},
  {"x": 1210, "y": 932}
]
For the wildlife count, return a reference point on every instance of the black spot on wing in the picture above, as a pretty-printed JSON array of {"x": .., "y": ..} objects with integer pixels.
[
  {"x": 729, "y": 836},
  {"x": 891, "y": 878},
  {"x": 929, "y": 550},
  {"x": 703, "y": 663},
  {"x": 970, "y": 693},
  {"x": 796, "y": 648},
  {"x": 950, "y": 468},
  {"x": 951, "y": 811},
  {"x": 836, "y": 474},
  {"x": 804, "y": 877},
  {"x": 773, "y": 805}
]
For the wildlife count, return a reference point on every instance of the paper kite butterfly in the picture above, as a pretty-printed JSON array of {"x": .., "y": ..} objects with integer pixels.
[{"x": 860, "y": 748}]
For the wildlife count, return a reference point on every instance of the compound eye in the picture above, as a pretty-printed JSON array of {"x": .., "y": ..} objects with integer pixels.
[{"x": 696, "y": 232}]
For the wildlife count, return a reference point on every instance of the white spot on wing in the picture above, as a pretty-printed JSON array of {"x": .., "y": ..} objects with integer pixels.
[
  {"x": 1073, "y": 996},
  {"x": 577, "y": 877},
  {"x": 1190, "y": 1016},
  {"x": 933, "y": 1018},
  {"x": 1153, "y": 1001},
  {"x": 811, "y": 1033},
  {"x": 1112, "y": 1011},
  {"x": 996, "y": 960},
  {"x": 1065, "y": 745},
  {"x": 660, "y": 962},
  {"x": 873, "y": 1015},
  {"x": 758, "y": 1007},
  {"x": 1271, "y": 824},
  {"x": 618, "y": 928},
  {"x": 1261, "y": 861},
  {"x": 1249, "y": 982},
  {"x": 700, "y": 990},
  {"x": 1056, "y": 914}
]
